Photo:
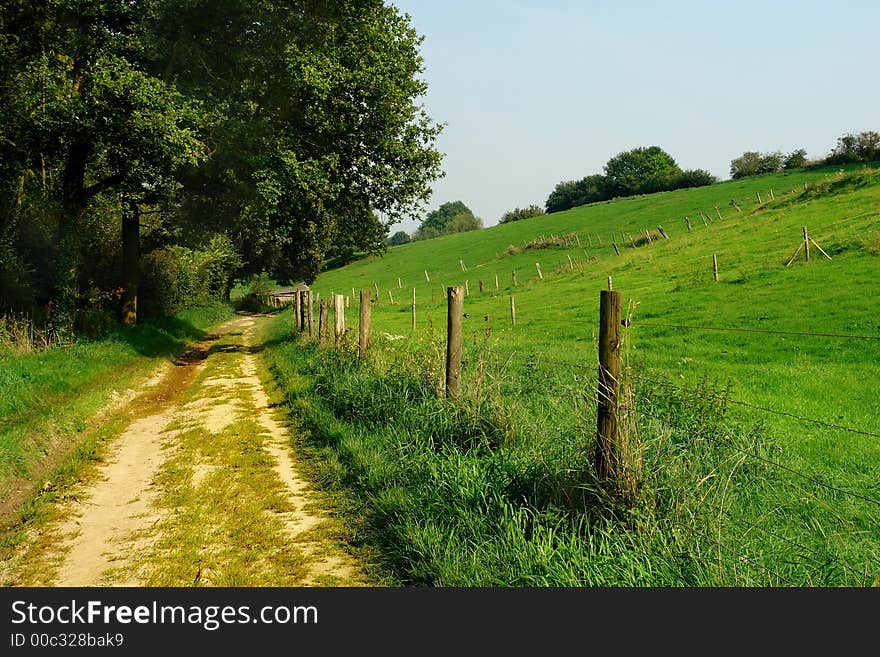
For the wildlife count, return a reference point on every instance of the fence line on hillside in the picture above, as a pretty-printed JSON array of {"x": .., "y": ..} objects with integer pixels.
[{"x": 604, "y": 396}]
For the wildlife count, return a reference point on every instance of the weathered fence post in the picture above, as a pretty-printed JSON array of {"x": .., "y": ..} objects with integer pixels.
[
  {"x": 303, "y": 305},
  {"x": 481, "y": 286},
  {"x": 376, "y": 285},
  {"x": 538, "y": 268},
  {"x": 391, "y": 297},
  {"x": 512, "y": 311},
  {"x": 297, "y": 311},
  {"x": 414, "y": 311},
  {"x": 364, "y": 324},
  {"x": 428, "y": 278},
  {"x": 455, "y": 298},
  {"x": 513, "y": 275},
  {"x": 339, "y": 318},
  {"x": 718, "y": 212},
  {"x": 309, "y": 313},
  {"x": 688, "y": 222},
  {"x": 496, "y": 282},
  {"x": 461, "y": 264},
  {"x": 758, "y": 194},
  {"x": 715, "y": 266},
  {"x": 607, "y": 443},
  {"x": 616, "y": 250},
  {"x": 323, "y": 316},
  {"x": 806, "y": 244}
]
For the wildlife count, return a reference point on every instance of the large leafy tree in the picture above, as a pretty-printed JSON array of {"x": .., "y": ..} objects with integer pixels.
[
  {"x": 86, "y": 108},
  {"x": 641, "y": 170},
  {"x": 321, "y": 145},
  {"x": 451, "y": 217}
]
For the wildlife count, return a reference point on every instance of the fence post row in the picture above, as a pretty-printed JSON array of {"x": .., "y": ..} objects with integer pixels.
[
  {"x": 455, "y": 310},
  {"x": 607, "y": 443}
]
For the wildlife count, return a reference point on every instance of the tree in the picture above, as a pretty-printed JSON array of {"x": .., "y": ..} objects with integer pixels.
[
  {"x": 694, "y": 178},
  {"x": 89, "y": 110},
  {"x": 797, "y": 159},
  {"x": 574, "y": 193},
  {"x": 399, "y": 238},
  {"x": 747, "y": 164},
  {"x": 640, "y": 171},
  {"x": 771, "y": 162},
  {"x": 519, "y": 214},
  {"x": 451, "y": 217},
  {"x": 321, "y": 145}
]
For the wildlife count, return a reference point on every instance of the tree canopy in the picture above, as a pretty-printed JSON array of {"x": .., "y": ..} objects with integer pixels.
[
  {"x": 294, "y": 129},
  {"x": 451, "y": 217}
]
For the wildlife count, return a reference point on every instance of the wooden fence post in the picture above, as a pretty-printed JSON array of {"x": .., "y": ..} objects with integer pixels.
[
  {"x": 496, "y": 282},
  {"x": 688, "y": 222},
  {"x": 514, "y": 277},
  {"x": 481, "y": 286},
  {"x": 303, "y": 309},
  {"x": 297, "y": 311},
  {"x": 399, "y": 284},
  {"x": 538, "y": 268},
  {"x": 428, "y": 278},
  {"x": 390, "y": 297},
  {"x": 309, "y": 313},
  {"x": 376, "y": 285},
  {"x": 758, "y": 194},
  {"x": 512, "y": 311},
  {"x": 414, "y": 311},
  {"x": 715, "y": 266},
  {"x": 718, "y": 212},
  {"x": 607, "y": 442},
  {"x": 806, "y": 244},
  {"x": 339, "y": 318},
  {"x": 663, "y": 232},
  {"x": 364, "y": 324},
  {"x": 467, "y": 289},
  {"x": 616, "y": 250},
  {"x": 323, "y": 316},
  {"x": 455, "y": 308}
]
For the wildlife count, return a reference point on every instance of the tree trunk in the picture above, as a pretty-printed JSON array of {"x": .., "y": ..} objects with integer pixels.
[
  {"x": 73, "y": 207},
  {"x": 131, "y": 254}
]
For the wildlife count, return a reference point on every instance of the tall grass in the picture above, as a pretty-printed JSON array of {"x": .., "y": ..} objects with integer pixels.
[{"x": 498, "y": 489}]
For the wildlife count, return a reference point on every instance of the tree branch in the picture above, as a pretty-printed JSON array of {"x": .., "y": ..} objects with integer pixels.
[{"x": 107, "y": 183}]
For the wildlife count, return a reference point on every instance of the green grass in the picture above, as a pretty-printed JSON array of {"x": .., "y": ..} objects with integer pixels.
[
  {"x": 732, "y": 494},
  {"x": 47, "y": 398}
]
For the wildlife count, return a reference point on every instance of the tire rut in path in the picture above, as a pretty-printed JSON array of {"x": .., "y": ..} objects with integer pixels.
[{"x": 114, "y": 519}]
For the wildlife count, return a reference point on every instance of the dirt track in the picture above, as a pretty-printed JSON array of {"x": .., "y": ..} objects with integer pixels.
[{"x": 200, "y": 489}]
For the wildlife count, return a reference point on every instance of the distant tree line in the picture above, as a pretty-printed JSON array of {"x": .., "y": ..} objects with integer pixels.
[
  {"x": 850, "y": 148},
  {"x": 517, "y": 214},
  {"x": 642, "y": 170}
]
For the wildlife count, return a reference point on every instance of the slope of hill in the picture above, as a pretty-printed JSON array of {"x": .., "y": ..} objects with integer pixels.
[{"x": 754, "y": 398}]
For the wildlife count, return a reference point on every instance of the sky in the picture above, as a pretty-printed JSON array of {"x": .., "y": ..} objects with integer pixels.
[{"x": 535, "y": 92}]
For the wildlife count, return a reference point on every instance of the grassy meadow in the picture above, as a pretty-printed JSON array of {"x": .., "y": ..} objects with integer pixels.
[{"x": 731, "y": 489}]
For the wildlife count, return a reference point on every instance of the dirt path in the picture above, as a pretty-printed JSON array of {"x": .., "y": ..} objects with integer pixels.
[{"x": 200, "y": 489}]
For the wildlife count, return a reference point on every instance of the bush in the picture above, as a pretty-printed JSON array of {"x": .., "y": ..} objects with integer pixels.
[
  {"x": 521, "y": 213},
  {"x": 174, "y": 278}
]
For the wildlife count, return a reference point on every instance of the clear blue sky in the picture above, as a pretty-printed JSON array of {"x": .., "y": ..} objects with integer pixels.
[{"x": 536, "y": 92}]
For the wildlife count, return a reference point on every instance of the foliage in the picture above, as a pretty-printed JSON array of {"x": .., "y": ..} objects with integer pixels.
[
  {"x": 753, "y": 163},
  {"x": 572, "y": 194},
  {"x": 398, "y": 238},
  {"x": 797, "y": 159},
  {"x": 175, "y": 278},
  {"x": 694, "y": 178},
  {"x": 295, "y": 129},
  {"x": 861, "y": 147},
  {"x": 517, "y": 214},
  {"x": 451, "y": 217},
  {"x": 641, "y": 170}
]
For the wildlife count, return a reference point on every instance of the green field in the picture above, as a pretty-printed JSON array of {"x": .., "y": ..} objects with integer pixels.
[{"x": 777, "y": 499}]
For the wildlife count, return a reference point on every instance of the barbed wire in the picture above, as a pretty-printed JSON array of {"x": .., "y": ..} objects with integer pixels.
[
  {"x": 765, "y": 409},
  {"x": 754, "y": 330}
]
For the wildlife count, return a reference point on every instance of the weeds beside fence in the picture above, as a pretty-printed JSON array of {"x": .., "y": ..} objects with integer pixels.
[{"x": 498, "y": 484}]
